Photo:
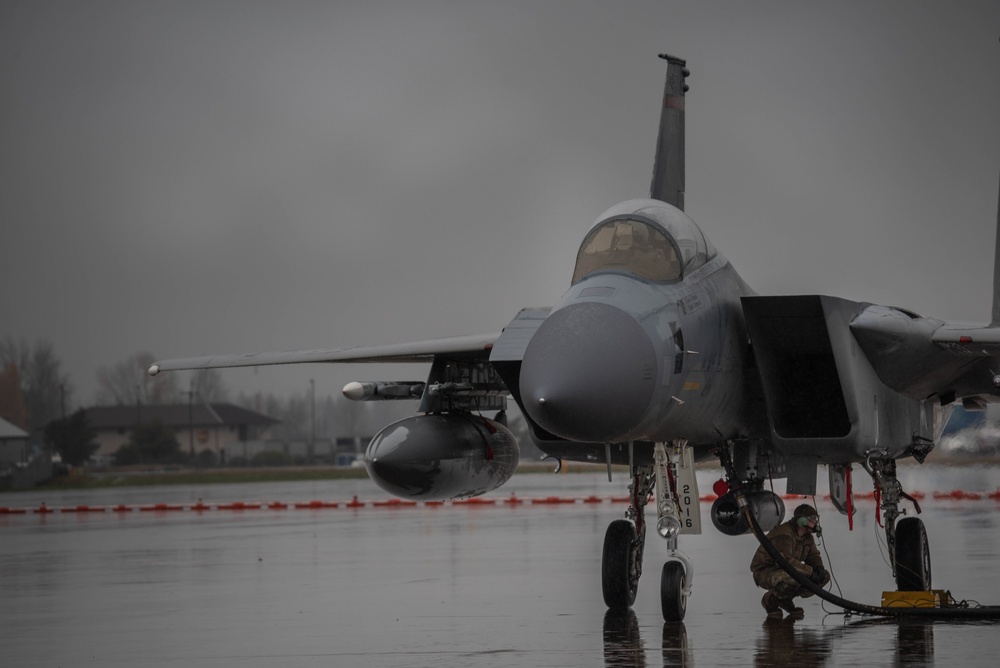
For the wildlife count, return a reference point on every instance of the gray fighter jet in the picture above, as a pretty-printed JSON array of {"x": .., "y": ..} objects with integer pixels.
[{"x": 659, "y": 355}]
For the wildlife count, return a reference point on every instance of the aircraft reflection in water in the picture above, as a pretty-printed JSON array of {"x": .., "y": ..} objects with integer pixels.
[
  {"x": 781, "y": 644},
  {"x": 623, "y": 643},
  {"x": 659, "y": 355}
]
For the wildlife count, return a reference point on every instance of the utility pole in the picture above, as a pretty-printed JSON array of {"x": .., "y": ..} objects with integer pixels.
[
  {"x": 191, "y": 415},
  {"x": 312, "y": 420}
]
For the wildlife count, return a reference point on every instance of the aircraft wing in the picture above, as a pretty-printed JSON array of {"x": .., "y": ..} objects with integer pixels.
[
  {"x": 470, "y": 346},
  {"x": 923, "y": 357},
  {"x": 974, "y": 340}
]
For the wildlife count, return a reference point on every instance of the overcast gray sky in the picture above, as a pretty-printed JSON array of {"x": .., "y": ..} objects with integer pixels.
[{"x": 190, "y": 178}]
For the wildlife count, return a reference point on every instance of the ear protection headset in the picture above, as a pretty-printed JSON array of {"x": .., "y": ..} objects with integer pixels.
[{"x": 802, "y": 516}]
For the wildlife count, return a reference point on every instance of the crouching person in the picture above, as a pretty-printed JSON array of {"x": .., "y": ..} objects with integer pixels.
[{"x": 794, "y": 540}]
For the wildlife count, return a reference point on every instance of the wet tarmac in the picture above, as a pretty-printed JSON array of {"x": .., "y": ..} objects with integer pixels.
[{"x": 502, "y": 585}]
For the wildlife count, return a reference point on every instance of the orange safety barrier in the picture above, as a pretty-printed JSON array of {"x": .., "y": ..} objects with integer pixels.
[
  {"x": 239, "y": 505},
  {"x": 553, "y": 500},
  {"x": 958, "y": 495},
  {"x": 160, "y": 507},
  {"x": 474, "y": 501},
  {"x": 512, "y": 500},
  {"x": 393, "y": 503}
]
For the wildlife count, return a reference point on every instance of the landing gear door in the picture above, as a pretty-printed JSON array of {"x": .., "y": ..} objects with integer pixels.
[
  {"x": 689, "y": 505},
  {"x": 841, "y": 494}
]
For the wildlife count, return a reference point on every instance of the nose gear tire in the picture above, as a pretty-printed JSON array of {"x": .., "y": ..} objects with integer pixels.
[
  {"x": 619, "y": 575},
  {"x": 673, "y": 601}
]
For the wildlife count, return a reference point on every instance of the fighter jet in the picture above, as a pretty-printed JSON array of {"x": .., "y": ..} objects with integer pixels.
[{"x": 658, "y": 356}]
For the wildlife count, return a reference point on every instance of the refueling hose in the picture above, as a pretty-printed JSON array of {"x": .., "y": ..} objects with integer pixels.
[{"x": 953, "y": 612}]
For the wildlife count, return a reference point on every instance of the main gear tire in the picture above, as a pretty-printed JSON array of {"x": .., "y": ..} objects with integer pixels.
[{"x": 913, "y": 556}]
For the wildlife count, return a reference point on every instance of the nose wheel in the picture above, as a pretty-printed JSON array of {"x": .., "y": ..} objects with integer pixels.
[
  {"x": 621, "y": 562},
  {"x": 621, "y": 565},
  {"x": 673, "y": 588}
]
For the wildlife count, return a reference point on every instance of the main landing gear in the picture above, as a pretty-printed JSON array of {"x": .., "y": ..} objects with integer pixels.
[
  {"x": 672, "y": 476},
  {"x": 907, "y": 537}
]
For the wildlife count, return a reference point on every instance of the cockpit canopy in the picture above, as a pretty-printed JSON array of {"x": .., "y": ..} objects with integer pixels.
[{"x": 646, "y": 238}]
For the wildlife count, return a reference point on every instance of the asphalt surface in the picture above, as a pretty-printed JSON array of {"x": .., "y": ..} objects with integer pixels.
[{"x": 476, "y": 585}]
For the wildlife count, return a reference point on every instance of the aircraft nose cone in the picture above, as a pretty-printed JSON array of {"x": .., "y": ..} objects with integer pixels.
[{"x": 588, "y": 373}]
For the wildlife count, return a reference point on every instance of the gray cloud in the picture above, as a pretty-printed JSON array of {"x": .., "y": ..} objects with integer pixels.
[{"x": 190, "y": 178}]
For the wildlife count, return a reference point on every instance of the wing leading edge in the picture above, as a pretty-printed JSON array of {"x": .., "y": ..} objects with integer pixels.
[{"x": 469, "y": 346}]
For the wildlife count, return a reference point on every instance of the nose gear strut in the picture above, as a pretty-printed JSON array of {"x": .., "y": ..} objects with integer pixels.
[{"x": 672, "y": 476}]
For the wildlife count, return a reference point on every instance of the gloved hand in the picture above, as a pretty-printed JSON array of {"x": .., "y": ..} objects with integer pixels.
[{"x": 818, "y": 575}]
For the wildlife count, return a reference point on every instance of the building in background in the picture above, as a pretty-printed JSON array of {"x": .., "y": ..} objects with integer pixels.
[
  {"x": 225, "y": 430},
  {"x": 21, "y": 465}
]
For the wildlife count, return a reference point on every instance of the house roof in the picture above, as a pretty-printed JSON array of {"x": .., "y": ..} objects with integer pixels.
[
  {"x": 8, "y": 431},
  {"x": 175, "y": 415}
]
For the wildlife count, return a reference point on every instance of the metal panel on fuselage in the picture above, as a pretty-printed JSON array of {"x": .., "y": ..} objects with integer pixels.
[{"x": 711, "y": 390}]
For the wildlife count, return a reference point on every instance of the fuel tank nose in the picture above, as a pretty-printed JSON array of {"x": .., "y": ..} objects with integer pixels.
[{"x": 589, "y": 373}]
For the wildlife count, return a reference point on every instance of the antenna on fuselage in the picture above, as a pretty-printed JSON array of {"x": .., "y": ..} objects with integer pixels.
[{"x": 668, "y": 167}]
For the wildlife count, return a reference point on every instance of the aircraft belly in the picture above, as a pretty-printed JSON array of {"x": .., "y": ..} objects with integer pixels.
[{"x": 708, "y": 408}]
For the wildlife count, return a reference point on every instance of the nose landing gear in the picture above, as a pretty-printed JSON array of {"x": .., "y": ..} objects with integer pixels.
[{"x": 672, "y": 476}]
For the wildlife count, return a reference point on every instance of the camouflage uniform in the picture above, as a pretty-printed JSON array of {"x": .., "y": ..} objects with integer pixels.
[{"x": 800, "y": 551}]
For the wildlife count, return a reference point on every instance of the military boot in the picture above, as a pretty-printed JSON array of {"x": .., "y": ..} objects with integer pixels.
[
  {"x": 770, "y": 603},
  {"x": 789, "y": 607}
]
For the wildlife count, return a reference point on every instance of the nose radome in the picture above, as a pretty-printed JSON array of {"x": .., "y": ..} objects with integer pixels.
[{"x": 588, "y": 373}]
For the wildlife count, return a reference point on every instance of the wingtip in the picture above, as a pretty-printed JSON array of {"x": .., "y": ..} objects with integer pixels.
[{"x": 154, "y": 369}]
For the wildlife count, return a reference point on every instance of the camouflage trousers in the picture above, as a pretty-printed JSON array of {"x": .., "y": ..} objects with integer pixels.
[{"x": 780, "y": 584}]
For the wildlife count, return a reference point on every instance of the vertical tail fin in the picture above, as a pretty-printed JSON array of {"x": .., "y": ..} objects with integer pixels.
[
  {"x": 995, "y": 320},
  {"x": 668, "y": 166}
]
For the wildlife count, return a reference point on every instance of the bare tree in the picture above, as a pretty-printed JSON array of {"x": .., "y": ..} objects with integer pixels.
[
  {"x": 352, "y": 418},
  {"x": 208, "y": 386},
  {"x": 45, "y": 387},
  {"x": 127, "y": 383},
  {"x": 13, "y": 409}
]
